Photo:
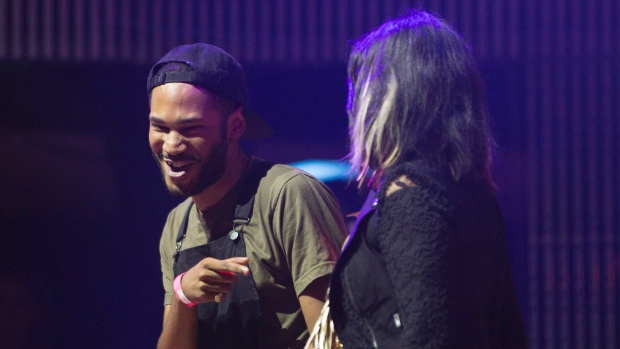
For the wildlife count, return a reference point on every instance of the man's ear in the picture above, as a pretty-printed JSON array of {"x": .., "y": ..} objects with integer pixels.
[{"x": 236, "y": 124}]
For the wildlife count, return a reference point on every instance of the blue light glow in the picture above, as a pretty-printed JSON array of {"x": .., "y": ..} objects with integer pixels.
[{"x": 325, "y": 170}]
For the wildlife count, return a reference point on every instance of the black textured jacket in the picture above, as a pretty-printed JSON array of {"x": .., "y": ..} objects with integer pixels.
[{"x": 427, "y": 267}]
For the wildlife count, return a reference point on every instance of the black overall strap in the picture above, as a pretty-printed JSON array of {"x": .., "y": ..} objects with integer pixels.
[
  {"x": 245, "y": 202},
  {"x": 182, "y": 231}
]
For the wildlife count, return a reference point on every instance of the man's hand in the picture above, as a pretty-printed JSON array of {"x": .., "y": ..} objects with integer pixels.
[{"x": 210, "y": 277}]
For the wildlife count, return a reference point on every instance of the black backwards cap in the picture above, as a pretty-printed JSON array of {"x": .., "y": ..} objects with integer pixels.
[{"x": 215, "y": 70}]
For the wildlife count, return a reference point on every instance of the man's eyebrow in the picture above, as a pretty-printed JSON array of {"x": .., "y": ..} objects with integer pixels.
[
  {"x": 182, "y": 121},
  {"x": 155, "y": 119}
]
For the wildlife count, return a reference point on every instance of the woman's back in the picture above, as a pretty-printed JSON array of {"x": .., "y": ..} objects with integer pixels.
[{"x": 446, "y": 278}]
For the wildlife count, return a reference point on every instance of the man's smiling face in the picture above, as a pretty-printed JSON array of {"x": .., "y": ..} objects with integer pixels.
[{"x": 187, "y": 135}]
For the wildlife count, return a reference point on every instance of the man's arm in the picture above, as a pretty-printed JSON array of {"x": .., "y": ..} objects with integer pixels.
[
  {"x": 180, "y": 328},
  {"x": 312, "y": 299},
  {"x": 313, "y": 230}
]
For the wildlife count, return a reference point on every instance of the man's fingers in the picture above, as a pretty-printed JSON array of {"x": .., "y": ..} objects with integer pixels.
[
  {"x": 226, "y": 269},
  {"x": 238, "y": 260},
  {"x": 212, "y": 277},
  {"x": 236, "y": 265},
  {"x": 227, "y": 274},
  {"x": 216, "y": 288}
]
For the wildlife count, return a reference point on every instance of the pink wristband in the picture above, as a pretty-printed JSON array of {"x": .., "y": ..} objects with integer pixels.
[{"x": 179, "y": 291}]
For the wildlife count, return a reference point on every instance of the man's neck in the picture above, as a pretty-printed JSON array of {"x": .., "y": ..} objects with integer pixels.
[{"x": 235, "y": 167}]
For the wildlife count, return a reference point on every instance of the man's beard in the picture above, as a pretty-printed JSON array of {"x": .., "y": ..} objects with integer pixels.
[{"x": 211, "y": 169}]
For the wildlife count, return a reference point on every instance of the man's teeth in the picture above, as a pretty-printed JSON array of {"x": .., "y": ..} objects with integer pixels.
[
  {"x": 180, "y": 163},
  {"x": 174, "y": 169},
  {"x": 175, "y": 174}
]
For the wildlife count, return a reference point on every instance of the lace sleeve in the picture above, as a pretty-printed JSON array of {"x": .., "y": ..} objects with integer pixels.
[{"x": 413, "y": 238}]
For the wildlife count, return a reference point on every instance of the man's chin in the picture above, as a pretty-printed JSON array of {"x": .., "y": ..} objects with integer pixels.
[
  {"x": 184, "y": 191},
  {"x": 176, "y": 190}
]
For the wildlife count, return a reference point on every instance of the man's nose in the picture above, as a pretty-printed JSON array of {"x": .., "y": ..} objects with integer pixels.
[{"x": 174, "y": 143}]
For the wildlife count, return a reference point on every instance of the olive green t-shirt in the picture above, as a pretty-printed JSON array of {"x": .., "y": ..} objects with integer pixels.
[{"x": 294, "y": 237}]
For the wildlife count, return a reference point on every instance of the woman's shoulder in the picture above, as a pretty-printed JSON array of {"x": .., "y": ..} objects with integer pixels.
[
  {"x": 417, "y": 189},
  {"x": 417, "y": 185},
  {"x": 415, "y": 177},
  {"x": 420, "y": 174}
]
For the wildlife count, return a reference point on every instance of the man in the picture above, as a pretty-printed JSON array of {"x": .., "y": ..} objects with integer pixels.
[{"x": 254, "y": 243}]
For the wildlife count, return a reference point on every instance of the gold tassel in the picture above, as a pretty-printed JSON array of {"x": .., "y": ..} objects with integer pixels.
[{"x": 324, "y": 335}]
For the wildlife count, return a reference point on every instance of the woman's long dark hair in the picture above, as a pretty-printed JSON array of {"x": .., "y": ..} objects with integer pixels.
[{"x": 415, "y": 94}]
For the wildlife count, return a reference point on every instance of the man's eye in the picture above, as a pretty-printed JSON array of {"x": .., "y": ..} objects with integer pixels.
[
  {"x": 159, "y": 128},
  {"x": 191, "y": 128}
]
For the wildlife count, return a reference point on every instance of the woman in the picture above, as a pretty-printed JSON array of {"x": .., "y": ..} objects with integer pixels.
[{"x": 427, "y": 264}]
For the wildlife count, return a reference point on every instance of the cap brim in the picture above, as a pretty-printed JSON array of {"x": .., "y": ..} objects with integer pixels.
[{"x": 255, "y": 127}]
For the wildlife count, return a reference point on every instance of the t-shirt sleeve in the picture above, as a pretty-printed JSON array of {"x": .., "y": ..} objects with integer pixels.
[
  {"x": 309, "y": 224},
  {"x": 166, "y": 250}
]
